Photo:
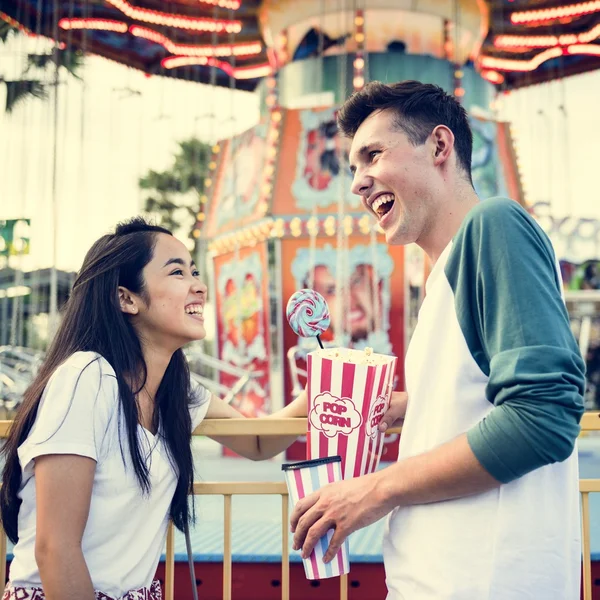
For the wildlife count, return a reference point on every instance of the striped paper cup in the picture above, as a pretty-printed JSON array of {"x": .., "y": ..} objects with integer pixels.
[
  {"x": 302, "y": 479},
  {"x": 348, "y": 393}
]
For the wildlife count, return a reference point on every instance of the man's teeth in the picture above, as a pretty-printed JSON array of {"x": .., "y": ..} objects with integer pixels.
[
  {"x": 379, "y": 202},
  {"x": 194, "y": 310}
]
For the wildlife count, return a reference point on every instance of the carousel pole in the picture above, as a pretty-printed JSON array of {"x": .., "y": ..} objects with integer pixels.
[{"x": 52, "y": 325}]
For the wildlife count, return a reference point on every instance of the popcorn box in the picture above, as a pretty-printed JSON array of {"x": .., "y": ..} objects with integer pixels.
[
  {"x": 302, "y": 479},
  {"x": 348, "y": 391}
]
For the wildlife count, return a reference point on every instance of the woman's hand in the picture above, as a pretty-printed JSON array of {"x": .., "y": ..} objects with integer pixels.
[{"x": 394, "y": 415}]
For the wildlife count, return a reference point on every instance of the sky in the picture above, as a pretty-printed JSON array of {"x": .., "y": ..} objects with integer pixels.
[
  {"x": 120, "y": 123},
  {"x": 109, "y": 132}
]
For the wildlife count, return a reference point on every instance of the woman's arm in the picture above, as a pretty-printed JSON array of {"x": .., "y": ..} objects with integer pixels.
[
  {"x": 256, "y": 447},
  {"x": 63, "y": 485}
]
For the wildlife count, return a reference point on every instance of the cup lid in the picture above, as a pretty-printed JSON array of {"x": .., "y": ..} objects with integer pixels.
[{"x": 315, "y": 462}]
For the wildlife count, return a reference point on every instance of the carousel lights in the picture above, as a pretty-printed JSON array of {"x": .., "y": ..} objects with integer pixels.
[
  {"x": 253, "y": 72},
  {"x": 348, "y": 225},
  {"x": 282, "y": 48},
  {"x": 329, "y": 226},
  {"x": 358, "y": 79},
  {"x": 278, "y": 229},
  {"x": 589, "y": 36},
  {"x": 208, "y": 181},
  {"x": 232, "y": 4},
  {"x": 98, "y": 24},
  {"x": 173, "y": 62},
  {"x": 16, "y": 25},
  {"x": 503, "y": 64},
  {"x": 449, "y": 53},
  {"x": 493, "y": 76},
  {"x": 589, "y": 49},
  {"x": 296, "y": 227},
  {"x": 364, "y": 224},
  {"x": 546, "y": 41},
  {"x": 177, "y": 21},
  {"x": 243, "y": 49},
  {"x": 555, "y": 13},
  {"x": 272, "y": 139},
  {"x": 312, "y": 226},
  {"x": 358, "y": 83}
]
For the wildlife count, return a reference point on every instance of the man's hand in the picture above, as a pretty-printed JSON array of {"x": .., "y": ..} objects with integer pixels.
[
  {"x": 396, "y": 411},
  {"x": 344, "y": 506}
]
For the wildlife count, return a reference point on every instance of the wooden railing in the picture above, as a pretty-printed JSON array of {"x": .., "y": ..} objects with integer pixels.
[{"x": 210, "y": 427}]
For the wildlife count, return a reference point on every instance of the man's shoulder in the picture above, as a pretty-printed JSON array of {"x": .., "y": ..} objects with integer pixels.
[
  {"x": 504, "y": 221},
  {"x": 495, "y": 210}
]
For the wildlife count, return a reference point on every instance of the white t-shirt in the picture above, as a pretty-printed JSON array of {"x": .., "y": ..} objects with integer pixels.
[
  {"x": 493, "y": 336},
  {"x": 125, "y": 531}
]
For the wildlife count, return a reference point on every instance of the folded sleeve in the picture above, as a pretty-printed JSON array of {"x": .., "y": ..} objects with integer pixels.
[
  {"x": 509, "y": 304},
  {"x": 76, "y": 406}
]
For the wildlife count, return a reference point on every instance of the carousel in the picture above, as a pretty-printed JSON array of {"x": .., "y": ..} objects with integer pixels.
[{"x": 277, "y": 214}]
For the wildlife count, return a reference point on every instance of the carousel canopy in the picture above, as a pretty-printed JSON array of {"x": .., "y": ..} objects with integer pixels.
[{"x": 225, "y": 42}]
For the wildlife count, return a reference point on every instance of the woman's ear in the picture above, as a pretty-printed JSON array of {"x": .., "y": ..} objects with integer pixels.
[{"x": 127, "y": 301}]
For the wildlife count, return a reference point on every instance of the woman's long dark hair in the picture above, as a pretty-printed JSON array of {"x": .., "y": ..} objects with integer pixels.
[{"x": 93, "y": 321}]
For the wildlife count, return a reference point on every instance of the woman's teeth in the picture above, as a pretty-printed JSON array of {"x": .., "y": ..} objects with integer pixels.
[{"x": 194, "y": 310}]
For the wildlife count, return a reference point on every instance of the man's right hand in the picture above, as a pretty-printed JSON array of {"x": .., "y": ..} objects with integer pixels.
[{"x": 394, "y": 415}]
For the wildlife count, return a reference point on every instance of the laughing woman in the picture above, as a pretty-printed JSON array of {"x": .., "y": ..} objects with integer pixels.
[{"x": 99, "y": 457}]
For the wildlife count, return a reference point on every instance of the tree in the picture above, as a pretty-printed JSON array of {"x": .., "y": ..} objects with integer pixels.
[
  {"x": 38, "y": 72},
  {"x": 174, "y": 194}
]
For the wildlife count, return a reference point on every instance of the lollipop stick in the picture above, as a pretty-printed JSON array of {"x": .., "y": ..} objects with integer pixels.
[{"x": 320, "y": 342}]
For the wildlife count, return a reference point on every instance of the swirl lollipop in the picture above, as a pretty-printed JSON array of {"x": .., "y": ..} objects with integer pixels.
[{"x": 308, "y": 314}]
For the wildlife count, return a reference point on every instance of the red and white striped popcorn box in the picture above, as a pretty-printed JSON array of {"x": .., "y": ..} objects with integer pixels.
[
  {"x": 302, "y": 479},
  {"x": 348, "y": 393}
]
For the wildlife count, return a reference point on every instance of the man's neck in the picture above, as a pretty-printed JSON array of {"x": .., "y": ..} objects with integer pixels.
[{"x": 453, "y": 209}]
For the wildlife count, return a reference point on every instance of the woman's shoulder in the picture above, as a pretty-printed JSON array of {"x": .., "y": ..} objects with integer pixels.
[
  {"x": 199, "y": 394},
  {"x": 199, "y": 402},
  {"x": 86, "y": 370},
  {"x": 83, "y": 359}
]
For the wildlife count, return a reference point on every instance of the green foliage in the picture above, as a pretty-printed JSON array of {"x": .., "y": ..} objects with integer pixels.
[
  {"x": 34, "y": 85},
  {"x": 21, "y": 89},
  {"x": 6, "y": 31},
  {"x": 174, "y": 194}
]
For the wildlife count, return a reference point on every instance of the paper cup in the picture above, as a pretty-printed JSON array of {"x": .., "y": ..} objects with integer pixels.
[
  {"x": 302, "y": 479},
  {"x": 348, "y": 393}
]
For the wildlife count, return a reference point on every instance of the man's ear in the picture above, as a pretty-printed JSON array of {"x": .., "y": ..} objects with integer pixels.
[
  {"x": 443, "y": 143},
  {"x": 127, "y": 301}
]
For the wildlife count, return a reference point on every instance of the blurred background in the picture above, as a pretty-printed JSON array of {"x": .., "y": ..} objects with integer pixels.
[{"x": 216, "y": 118}]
